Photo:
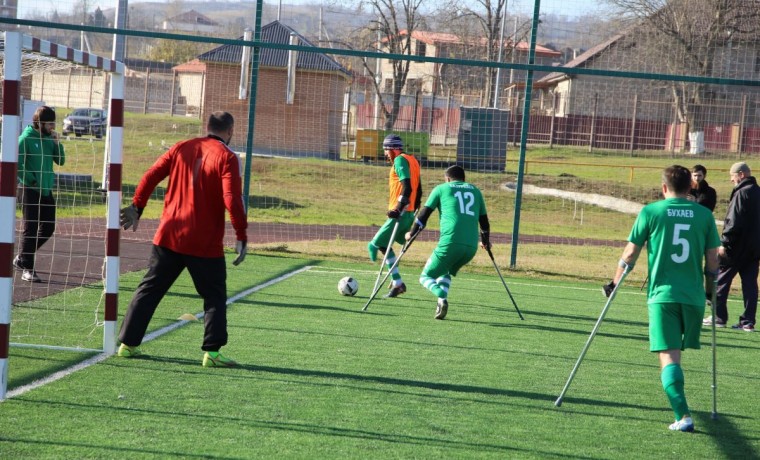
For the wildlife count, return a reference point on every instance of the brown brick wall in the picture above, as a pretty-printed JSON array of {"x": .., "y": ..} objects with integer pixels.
[{"x": 310, "y": 126}]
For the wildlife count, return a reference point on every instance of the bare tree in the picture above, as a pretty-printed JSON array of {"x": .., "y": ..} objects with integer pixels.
[
  {"x": 396, "y": 22},
  {"x": 481, "y": 26},
  {"x": 489, "y": 16},
  {"x": 689, "y": 37}
]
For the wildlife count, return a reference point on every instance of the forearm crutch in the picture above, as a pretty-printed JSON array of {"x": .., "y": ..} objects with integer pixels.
[
  {"x": 490, "y": 254},
  {"x": 390, "y": 270},
  {"x": 385, "y": 255},
  {"x": 558, "y": 402}
]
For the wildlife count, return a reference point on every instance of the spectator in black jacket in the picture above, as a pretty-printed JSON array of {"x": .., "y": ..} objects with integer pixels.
[
  {"x": 740, "y": 250},
  {"x": 701, "y": 192}
]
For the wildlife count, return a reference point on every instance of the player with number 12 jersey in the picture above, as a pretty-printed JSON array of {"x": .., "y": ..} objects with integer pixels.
[
  {"x": 462, "y": 209},
  {"x": 460, "y": 205}
]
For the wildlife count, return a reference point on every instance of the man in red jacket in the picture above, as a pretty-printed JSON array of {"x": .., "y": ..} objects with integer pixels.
[{"x": 204, "y": 180}]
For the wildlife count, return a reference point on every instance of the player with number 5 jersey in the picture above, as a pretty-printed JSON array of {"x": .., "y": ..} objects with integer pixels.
[
  {"x": 462, "y": 209},
  {"x": 677, "y": 233},
  {"x": 681, "y": 238}
]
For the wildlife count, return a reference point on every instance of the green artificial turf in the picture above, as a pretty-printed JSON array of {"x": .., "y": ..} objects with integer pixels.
[{"x": 319, "y": 378}]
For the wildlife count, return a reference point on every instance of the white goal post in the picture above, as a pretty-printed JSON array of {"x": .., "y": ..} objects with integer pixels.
[{"x": 19, "y": 52}]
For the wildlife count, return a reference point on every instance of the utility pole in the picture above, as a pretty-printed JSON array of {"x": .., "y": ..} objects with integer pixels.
[
  {"x": 378, "y": 80},
  {"x": 512, "y": 59},
  {"x": 501, "y": 48},
  {"x": 119, "y": 41}
]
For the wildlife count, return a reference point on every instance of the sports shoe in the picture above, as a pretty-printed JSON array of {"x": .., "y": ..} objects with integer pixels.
[
  {"x": 396, "y": 291},
  {"x": 441, "y": 309},
  {"x": 216, "y": 359},
  {"x": 685, "y": 424},
  {"x": 17, "y": 263},
  {"x": 30, "y": 276},
  {"x": 125, "y": 351},
  {"x": 744, "y": 325},
  {"x": 718, "y": 322}
]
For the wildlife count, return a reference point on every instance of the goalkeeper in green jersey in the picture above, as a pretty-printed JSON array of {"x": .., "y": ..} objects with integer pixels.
[
  {"x": 461, "y": 209},
  {"x": 680, "y": 236}
]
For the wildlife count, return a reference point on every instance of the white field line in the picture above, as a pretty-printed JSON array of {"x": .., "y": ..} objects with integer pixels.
[
  {"x": 153, "y": 335},
  {"x": 341, "y": 270}
]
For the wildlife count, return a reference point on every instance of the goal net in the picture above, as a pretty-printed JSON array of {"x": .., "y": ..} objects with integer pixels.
[{"x": 59, "y": 295}]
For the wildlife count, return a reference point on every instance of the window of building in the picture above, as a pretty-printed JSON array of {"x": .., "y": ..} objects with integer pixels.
[
  {"x": 421, "y": 48},
  {"x": 412, "y": 85}
]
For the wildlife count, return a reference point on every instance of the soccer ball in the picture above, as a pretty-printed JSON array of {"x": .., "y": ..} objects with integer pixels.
[{"x": 348, "y": 286}]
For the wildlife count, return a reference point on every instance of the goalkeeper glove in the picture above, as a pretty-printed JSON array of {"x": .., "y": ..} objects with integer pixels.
[
  {"x": 241, "y": 248},
  {"x": 130, "y": 217},
  {"x": 608, "y": 288}
]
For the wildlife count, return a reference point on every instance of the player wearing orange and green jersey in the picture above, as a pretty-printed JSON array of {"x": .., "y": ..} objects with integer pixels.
[
  {"x": 405, "y": 193},
  {"x": 405, "y": 167}
]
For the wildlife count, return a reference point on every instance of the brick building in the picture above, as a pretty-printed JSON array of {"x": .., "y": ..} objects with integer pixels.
[{"x": 303, "y": 121}]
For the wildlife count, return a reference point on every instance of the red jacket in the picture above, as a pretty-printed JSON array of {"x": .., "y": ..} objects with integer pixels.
[{"x": 204, "y": 180}]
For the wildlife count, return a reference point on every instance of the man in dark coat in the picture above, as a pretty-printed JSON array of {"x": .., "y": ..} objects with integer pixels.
[
  {"x": 701, "y": 191},
  {"x": 740, "y": 248}
]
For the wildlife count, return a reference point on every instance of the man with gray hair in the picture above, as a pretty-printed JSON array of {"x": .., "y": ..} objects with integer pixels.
[{"x": 739, "y": 252}]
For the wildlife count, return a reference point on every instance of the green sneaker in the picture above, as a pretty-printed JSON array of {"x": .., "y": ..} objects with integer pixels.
[
  {"x": 216, "y": 359},
  {"x": 125, "y": 351}
]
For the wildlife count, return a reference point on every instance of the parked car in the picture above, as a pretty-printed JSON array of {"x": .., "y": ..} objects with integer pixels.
[{"x": 88, "y": 121}]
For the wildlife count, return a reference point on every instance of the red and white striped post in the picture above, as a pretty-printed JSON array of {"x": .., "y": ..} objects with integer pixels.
[
  {"x": 8, "y": 181},
  {"x": 15, "y": 43},
  {"x": 112, "y": 164},
  {"x": 115, "y": 138}
]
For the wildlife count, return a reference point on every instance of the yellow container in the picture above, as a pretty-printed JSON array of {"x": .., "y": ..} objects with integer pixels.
[{"x": 369, "y": 143}]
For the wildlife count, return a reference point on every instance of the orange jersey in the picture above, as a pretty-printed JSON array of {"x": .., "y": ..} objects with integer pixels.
[{"x": 405, "y": 166}]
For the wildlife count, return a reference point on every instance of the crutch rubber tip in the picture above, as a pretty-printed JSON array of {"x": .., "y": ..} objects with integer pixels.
[
  {"x": 558, "y": 402},
  {"x": 714, "y": 416}
]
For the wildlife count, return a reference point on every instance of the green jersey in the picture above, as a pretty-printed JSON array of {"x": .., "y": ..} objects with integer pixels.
[
  {"x": 460, "y": 206},
  {"x": 36, "y": 155},
  {"x": 677, "y": 233}
]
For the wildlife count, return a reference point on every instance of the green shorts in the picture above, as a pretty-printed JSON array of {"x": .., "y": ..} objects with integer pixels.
[
  {"x": 383, "y": 236},
  {"x": 674, "y": 326},
  {"x": 448, "y": 259}
]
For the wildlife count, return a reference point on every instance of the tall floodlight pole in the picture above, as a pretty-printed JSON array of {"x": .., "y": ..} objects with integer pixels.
[
  {"x": 524, "y": 133},
  {"x": 498, "y": 59},
  {"x": 252, "y": 93}
]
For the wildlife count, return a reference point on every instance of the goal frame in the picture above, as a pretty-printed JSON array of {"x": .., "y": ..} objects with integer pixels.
[{"x": 16, "y": 44}]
